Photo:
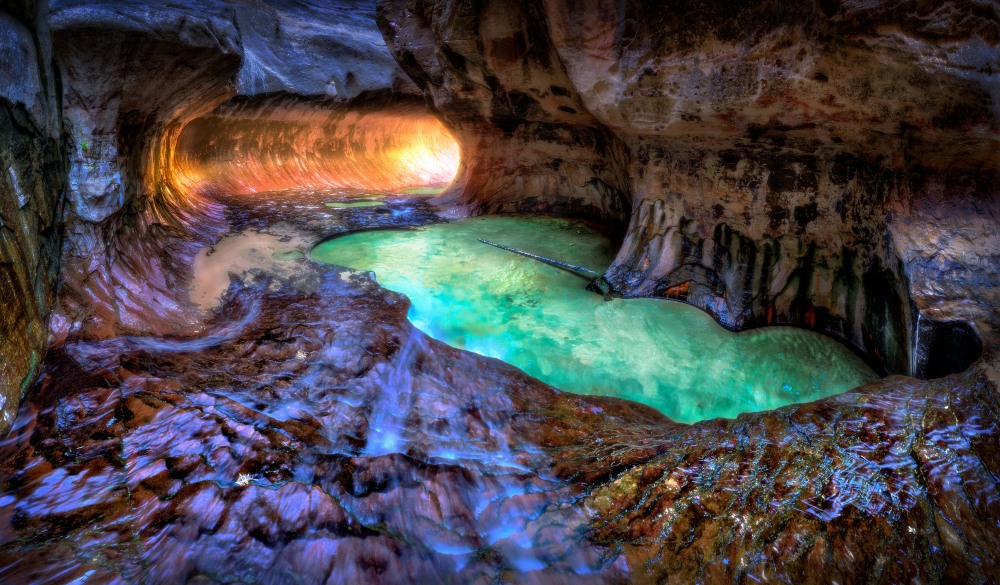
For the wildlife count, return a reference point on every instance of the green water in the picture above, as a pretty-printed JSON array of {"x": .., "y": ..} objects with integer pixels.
[
  {"x": 354, "y": 204},
  {"x": 424, "y": 191},
  {"x": 541, "y": 319}
]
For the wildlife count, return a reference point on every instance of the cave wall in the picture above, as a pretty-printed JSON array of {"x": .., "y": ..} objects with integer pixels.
[
  {"x": 831, "y": 165},
  {"x": 31, "y": 191},
  {"x": 95, "y": 96},
  {"x": 133, "y": 74},
  {"x": 780, "y": 163},
  {"x": 329, "y": 49},
  {"x": 528, "y": 143}
]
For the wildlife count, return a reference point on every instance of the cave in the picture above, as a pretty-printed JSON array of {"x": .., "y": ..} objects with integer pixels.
[{"x": 443, "y": 291}]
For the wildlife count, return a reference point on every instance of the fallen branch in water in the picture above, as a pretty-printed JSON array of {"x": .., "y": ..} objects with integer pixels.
[{"x": 556, "y": 263}]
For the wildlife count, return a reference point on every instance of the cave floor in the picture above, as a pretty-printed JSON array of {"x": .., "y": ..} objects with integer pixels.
[{"x": 246, "y": 454}]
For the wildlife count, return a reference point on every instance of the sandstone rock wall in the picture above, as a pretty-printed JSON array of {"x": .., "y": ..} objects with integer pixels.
[
  {"x": 329, "y": 49},
  {"x": 135, "y": 74},
  {"x": 33, "y": 171},
  {"x": 95, "y": 95},
  {"x": 282, "y": 142},
  {"x": 528, "y": 143},
  {"x": 775, "y": 158}
]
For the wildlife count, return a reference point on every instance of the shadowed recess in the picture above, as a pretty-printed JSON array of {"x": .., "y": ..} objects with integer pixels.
[{"x": 258, "y": 147}]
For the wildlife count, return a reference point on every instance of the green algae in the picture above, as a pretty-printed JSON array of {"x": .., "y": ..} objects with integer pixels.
[
  {"x": 541, "y": 319},
  {"x": 354, "y": 204}
]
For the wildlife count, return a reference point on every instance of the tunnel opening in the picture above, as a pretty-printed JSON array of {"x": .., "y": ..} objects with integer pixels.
[
  {"x": 291, "y": 144},
  {"x": 253, "y": 152},
  {"x": 942, "y": 348}
]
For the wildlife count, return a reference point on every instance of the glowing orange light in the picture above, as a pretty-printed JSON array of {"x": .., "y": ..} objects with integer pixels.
[{"x": 383, "y": 150}]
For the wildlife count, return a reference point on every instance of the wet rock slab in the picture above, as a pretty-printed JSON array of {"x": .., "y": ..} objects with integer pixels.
[{"x": 250, "y": 454}]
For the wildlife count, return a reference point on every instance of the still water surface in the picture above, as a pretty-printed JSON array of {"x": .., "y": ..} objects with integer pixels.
[{"x": 541, "y": 319}]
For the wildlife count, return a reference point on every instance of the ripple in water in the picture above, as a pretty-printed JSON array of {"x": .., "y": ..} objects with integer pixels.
[{"x": 541, "y": 319}]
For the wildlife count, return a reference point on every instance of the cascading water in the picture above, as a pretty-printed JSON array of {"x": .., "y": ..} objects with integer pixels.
[{"x": 387, "y": 421}]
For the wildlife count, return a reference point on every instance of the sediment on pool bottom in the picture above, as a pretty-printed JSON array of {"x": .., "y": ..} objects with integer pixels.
[{"x": 543, "y": 320}]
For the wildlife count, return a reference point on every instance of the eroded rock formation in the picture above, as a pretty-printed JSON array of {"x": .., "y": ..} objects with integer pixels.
[
  {"x": 528, "y": 142},
  {"x": 372, "y": 453},
  {"x": 104, "y": 89},
  {"x": 32, "y": 162},
  {"x": 132, "y": 77},
  {"x": 286, "y": 143},
  {"x": 781, "y": 163}
]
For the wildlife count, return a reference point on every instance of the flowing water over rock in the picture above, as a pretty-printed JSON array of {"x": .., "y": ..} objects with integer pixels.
[{"x": 542, "y": 319}]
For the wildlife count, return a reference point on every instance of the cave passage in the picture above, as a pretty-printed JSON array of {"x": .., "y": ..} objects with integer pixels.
[
  {"x": 541, "y": 319},
  {"x": 263, "y": 148}
]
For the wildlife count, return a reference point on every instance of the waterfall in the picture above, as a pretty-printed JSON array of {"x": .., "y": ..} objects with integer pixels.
[
  {"x": 386, "y": 425},
  {"x": 915, "y": 361}
]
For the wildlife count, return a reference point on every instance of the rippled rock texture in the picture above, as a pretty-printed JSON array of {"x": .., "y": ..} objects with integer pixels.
[
  {"x": 830, "y": 164},
  {"x": 781, "y": 163},
  {"x": 95, "y": 97},
  {"x": 280, "y": 144},
  {"x": 134, "y": 76},
  {"x": 370, "y": 452}
]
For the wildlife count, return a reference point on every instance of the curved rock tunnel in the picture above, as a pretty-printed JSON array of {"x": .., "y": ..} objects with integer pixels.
[
  {"x": 827, "y": 165},
  {"x": 259, "y": 147}
]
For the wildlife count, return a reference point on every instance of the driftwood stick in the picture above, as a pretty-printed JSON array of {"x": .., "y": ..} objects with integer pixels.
[{"x": 556, "y": 263}]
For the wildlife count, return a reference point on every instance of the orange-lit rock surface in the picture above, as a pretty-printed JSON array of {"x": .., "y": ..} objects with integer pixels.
[{"x": 287, "y": 144}]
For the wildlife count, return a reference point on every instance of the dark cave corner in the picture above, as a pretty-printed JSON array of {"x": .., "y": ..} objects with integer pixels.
[{"x": 945, "y": 347}]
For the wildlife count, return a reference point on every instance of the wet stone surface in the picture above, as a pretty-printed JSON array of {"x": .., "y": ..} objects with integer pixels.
[
  {"x": 324, "y": 440},
  {"x": 308, "y": 211},
  {"x": 310, "y": 434}
]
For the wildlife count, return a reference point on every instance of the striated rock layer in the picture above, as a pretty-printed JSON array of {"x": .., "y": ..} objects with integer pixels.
[
  {"x": 95, "y": 97},
  {"x": 286, "y": 143},
  {"x": 829, "y": 164},
  {"x": 779, "y": 163},
  {"x": 135, "y": 75},
  {"x": 132, "y": 78},
  {"x": 33, "y": 167}
]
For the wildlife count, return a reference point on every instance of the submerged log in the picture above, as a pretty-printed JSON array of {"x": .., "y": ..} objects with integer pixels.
[{"x": 550, "y": 261}]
